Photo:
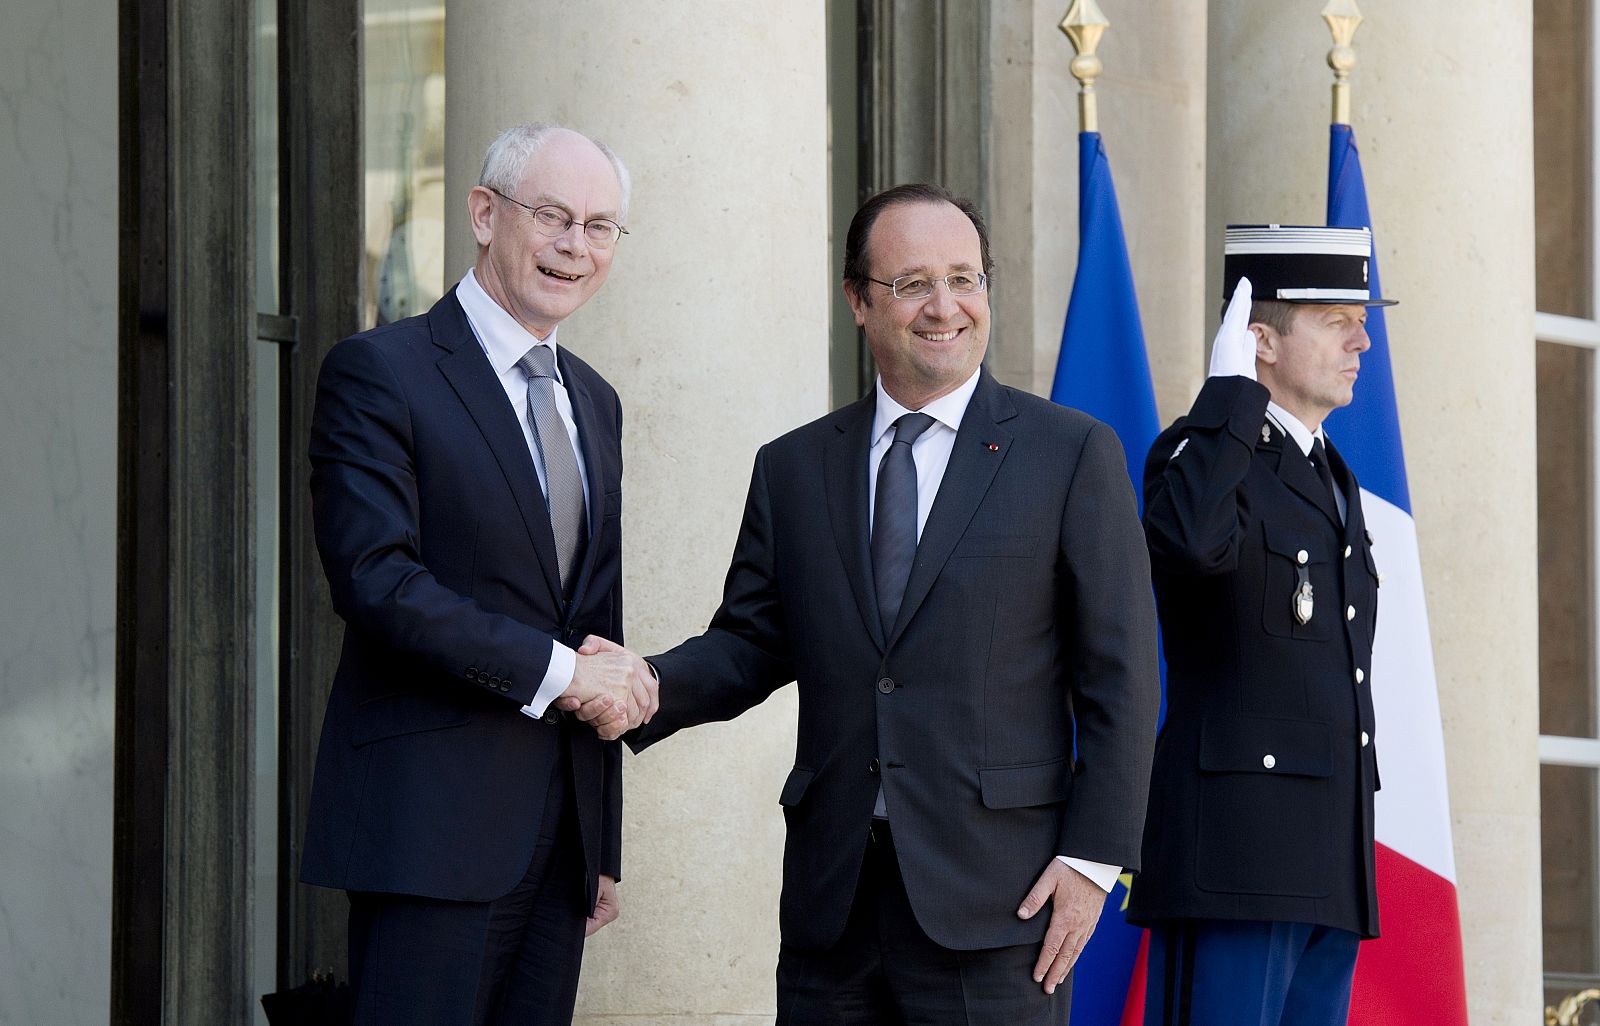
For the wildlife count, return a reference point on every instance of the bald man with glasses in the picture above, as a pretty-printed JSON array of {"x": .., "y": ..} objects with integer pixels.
[{"x": 466, "y": 487}]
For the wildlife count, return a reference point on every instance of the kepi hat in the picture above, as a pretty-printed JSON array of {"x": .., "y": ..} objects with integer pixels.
[{"x": 1300, "y": 263}]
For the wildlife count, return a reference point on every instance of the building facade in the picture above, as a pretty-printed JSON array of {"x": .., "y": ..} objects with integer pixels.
[{"x": 204, "y": 196}]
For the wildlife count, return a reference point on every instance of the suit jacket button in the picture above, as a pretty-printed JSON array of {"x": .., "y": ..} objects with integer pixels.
[
  {"x": 472, "y": 673},
  {"x": 551, "y": 717},
  {"x": 494, "y": 681},
  {"x": 885, "y": 685},
  {"x": 1366, "y": 739},
  {"x": 1349, "y": 612},
  {"x": 504, "y": 685},
  {"x": 1361, "y": 675},
  {"x": 1301, "y": 557},
  {"x": 872, "y": 767},
  {"x": 1268, "y": 761}
]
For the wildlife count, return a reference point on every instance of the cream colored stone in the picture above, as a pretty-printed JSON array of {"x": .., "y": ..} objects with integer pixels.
[
  {"x": 1441, "y": 100},
  {"x": 1152, "y": 122},
  {"x": 714, "y": 329}
]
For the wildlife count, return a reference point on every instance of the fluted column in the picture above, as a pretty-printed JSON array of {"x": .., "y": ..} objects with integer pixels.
[
  {"x": 1440, "y": 102},
  {"x": 714, "y": 329}
]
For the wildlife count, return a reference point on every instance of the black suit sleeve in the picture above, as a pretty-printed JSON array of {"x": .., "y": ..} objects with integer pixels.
[
  {"x": 1195, "y": 508},
  {"x": 365, "y": 508},
  {"x": 1111, "y": 637},
  {"x": 744, "y": 656},
  {"x": 611, "y": 824}
]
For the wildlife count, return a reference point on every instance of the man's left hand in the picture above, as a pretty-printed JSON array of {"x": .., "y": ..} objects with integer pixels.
[
  {"x": 606, "y": 908},
  {"x": 1075, "y": 904}
]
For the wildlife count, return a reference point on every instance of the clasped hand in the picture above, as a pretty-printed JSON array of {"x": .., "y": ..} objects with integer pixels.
[{"x": 612, "y": 689}]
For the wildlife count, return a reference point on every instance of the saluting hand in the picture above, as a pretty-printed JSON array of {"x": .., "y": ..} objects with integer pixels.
[{"x": 1233, "y": 351}]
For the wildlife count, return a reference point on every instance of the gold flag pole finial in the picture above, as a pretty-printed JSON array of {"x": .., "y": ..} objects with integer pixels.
[
  {"x": 1084, "y": 25},
  {"x": 1343, "y": 18}
]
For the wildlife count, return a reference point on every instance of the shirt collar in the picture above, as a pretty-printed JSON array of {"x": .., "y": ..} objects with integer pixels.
[
  {"x": 504, "y": 341},
  {"x": 947, "y": 409},
  {"x": 1291, "y": 426}
]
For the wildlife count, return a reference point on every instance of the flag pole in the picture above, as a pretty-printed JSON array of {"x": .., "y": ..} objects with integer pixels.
[
  {"x": 1084, "y": 24},
  {"x": 1343, "y": 18}
]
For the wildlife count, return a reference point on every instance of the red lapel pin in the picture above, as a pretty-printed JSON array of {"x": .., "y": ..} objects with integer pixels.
[{"x": 991, "y": 446}]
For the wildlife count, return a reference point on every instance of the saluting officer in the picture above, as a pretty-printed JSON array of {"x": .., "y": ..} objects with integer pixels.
[{"x": 1257, "y": 878}]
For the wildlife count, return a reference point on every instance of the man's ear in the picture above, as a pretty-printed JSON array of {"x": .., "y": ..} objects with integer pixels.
[
  {"x": 1267, "y": 342},
  {"x": 858, "y": 303},
  {"x": 480, "y": 208}
]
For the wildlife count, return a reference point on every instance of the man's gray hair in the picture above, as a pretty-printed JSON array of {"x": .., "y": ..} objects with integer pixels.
[{"x": 506, "y": 160}]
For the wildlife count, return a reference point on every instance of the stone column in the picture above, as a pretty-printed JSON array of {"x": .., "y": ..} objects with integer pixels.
[
  {"x": 1153, "y": 120},
  {"x": 714, "y": 329},
  {"x": 1441, "y": 109}
]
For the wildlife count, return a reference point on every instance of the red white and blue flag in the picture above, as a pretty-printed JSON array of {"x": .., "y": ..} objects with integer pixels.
[{"x": 1413, "y": 973}]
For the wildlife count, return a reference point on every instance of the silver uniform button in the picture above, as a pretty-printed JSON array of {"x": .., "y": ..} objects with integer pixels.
[
  {"x": 1361, "y": 675},
  {"x": 1268, "y": 761},
  {"x": 1349, "y": 612},
  {"x": 1301, "y": 557},
  {"x": 1365, "y": 740}
]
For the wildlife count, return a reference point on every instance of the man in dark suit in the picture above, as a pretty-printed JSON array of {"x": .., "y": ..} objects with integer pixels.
[
  {"x": 466, "y": 484},
  {"x": 1257, "y": 876},
  {"x": 953, "y": 572}
]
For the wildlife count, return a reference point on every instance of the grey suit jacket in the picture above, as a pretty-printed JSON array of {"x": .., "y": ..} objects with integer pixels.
[{"x": 1027, "y": 621}]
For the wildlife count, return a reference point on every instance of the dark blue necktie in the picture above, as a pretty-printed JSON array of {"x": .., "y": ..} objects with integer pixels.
[
  {"x": 894, "y": 518},
  {"x": 1319, "y": 460}
]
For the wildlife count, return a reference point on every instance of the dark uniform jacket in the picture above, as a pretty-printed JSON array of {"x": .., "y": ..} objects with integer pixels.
[
  {"x": 1026, "y": 622},
  {"x": 440, "y": 559},
  {"x": 1261, "y": 799}
]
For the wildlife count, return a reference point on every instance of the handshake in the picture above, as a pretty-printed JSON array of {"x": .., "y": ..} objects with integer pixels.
[{"x": 612, "y": 689}]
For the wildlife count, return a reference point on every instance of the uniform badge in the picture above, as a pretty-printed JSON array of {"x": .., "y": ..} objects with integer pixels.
[
  {"x": 1181, "y": 443},
  {"x": 1304, "y": 603},
  {"x": 1266, "y": 433}
]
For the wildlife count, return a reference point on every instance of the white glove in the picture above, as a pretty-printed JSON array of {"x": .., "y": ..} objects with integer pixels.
[{"x": 1233, "y": 351}]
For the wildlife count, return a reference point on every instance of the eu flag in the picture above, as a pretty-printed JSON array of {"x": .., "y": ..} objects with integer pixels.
[{"x": 1104, "y": 372}]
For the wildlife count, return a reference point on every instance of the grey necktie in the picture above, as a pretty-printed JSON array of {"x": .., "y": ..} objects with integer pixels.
[
  {"x": 563, "y": 485},
  {"x": 894, "y": 518}
]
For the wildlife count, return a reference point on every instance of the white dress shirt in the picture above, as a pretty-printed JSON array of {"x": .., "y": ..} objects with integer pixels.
[
  {"x": 505, "y": 342},
  {"x": 931, "y": 454}
]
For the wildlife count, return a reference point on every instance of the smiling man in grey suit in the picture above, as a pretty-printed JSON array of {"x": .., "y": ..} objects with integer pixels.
[{"x": 953, "y": 571}]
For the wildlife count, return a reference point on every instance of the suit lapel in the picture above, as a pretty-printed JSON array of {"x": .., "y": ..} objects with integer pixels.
[
  {"x": 1345, "y": 478},
  {"x": 972, "y": 469},
  {"x": 844, "y": 479},
  {"x": 583, "y": 414},
  {"x": 467, "y": 369},
  {"x": 1295, "y": 470}
]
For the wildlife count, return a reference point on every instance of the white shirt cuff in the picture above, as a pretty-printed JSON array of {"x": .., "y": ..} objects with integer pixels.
[
  {"x": 1104, "y": 876},
  {"x": 557, "y": 678}
]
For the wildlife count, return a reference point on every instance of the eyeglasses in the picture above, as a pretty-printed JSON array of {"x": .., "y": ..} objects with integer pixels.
[
  {"x": 551, "y": 220},
  {"x": 920, "y": 286}
]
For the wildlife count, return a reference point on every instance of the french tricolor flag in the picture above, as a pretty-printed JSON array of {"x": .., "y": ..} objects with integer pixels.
[{"x": 1413, "y": 972}]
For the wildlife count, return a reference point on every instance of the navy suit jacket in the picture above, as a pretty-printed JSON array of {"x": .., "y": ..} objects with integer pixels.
[
  {"x": 438, "y": 551},
  {"x": 1027, "y": 620}
]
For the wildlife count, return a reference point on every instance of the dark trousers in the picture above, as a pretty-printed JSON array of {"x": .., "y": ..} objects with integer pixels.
[
  {"x": 1212, "y": 972},
  {"x": 508, "y": 962},
  {"x": 884, "y": 971}
]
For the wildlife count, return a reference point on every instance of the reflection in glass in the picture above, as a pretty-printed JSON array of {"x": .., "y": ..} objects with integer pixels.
[
  {"x": 1567, "y": 825},
  {"x": 1566, "y": 546},
  {"x": 1562, "y": 148},
  {"x": 404, "y": 138}
]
